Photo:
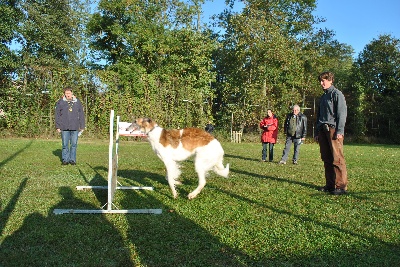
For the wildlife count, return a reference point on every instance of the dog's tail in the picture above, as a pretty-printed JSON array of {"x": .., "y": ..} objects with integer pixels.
[{"x": 220, "y": 170}]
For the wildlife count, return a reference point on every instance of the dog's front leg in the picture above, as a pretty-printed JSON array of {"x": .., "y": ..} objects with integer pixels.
[
  {"x": 173, "y": 173},
  {"x": 171, "y": 183}
]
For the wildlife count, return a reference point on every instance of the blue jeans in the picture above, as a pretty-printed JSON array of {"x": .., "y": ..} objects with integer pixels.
[
  {"x": 288, "y": 144},
  {"x": 271, "y": 151},
  {"x": 69, "y": 144}
]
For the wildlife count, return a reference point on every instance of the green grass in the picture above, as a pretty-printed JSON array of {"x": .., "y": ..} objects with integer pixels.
[{"x": 264, "y": 214}]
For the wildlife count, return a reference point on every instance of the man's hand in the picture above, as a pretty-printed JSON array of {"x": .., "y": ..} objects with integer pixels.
[{"x": 316, "y": 138}]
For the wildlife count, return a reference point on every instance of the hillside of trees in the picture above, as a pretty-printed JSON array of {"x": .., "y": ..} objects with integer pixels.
[{"x": 158, "y": 58}]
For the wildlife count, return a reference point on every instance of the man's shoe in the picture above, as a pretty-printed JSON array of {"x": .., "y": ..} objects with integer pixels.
[
  {"x": 295, "y": 162},
  {"x": 64, "y": 163},
  {"x": 282, "y": 162},
  {"x": 326, "y": 189},
  {"x": 338, "y": 192},
  {"x": 72, "y": 163}
]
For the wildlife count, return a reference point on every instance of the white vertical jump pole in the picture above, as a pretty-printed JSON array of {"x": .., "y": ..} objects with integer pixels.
[
  {"x": 112, "y": 181},
  {"x": 111, "y": 187}
]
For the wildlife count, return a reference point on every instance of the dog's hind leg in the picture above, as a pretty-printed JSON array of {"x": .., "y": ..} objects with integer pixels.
[
  {"x": 202, "y": 166},
  {"x": 221, "y": 170},
  {"x": 202, "y": 183}
]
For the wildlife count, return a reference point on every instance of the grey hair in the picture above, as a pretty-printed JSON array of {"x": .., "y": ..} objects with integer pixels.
[{"x": 296, "y": 107}]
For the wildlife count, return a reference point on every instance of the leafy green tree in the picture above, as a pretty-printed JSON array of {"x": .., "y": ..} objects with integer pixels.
[
  {"x": 157, "y": 52},
  {"x": 322, "y": 52},
  {"x": 259, "y": 63},
  {"x": 48, "y": 32},
  {"x": 9, "y": 21},
  {"x": 377, "y": 87},
  {"x": 51, "y": 51}
]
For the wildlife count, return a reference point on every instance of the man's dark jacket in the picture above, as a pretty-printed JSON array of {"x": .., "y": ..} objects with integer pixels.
[
  {"x": 73, "y": 120},
  {"x": 301, "y": 125}
]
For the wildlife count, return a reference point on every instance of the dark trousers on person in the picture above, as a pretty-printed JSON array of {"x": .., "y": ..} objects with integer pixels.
[
  {"x": 271, "y": 151},
  {"x": 332, "y": 155}
]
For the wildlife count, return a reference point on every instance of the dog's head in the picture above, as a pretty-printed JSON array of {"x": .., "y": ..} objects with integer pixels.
[{"x": 145, "y": 125}]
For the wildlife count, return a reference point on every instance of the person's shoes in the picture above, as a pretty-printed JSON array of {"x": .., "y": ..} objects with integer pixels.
[
  {"x": 326, "y": 189},
  {"x": 270, "y": 160},
  {"x": 295, "y": 162},
  {"x": 263, "y": 160},
  {"x": 64, "y": 163},
  {"x": 282, "y": 162},
  {"x": 338, "y": 192},
  {"x": 72, "y": 163}
]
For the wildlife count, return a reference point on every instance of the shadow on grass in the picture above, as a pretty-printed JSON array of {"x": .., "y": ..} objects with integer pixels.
[
  {"x": 58, "y": 154},
  {"x": 132, "y": 178},
  {"x": 16, "y": 154},
  {"x": 256, "y": 175},
  {"x": 65, "y": 240},
  {"x": 354, "y": 194},
  {"x": 376, "y": 253},
  {"x": 7, "y": 211},
  {"x": 173, "y": 240},
  {"x": 240, "y": 157},
  {"x": 167, "y": 239},
  {"x": 143, "y": 178}
]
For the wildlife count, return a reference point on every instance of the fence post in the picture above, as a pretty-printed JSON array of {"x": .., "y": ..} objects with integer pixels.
[{"x": 236, "y": 136}]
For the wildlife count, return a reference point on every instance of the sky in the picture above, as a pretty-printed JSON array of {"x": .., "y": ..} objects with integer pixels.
[{"x": 355, "y": 22}]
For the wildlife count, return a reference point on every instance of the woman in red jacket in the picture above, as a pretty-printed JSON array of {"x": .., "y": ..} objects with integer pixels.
[{"x": 269, "y": 125}]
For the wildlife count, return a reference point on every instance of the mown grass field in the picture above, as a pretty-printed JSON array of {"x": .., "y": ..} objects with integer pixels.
[{"x": 264, "y": 214}]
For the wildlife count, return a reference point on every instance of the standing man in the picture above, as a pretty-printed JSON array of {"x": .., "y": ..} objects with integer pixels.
[
  {"x": 269, "y": 126},
  {"x": 70, "y": 122},
  {"x": 331, "y": 119},
  {"x": 295, "y": 129}
]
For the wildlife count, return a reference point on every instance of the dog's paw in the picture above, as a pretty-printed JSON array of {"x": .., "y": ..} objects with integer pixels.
[
  {"x": 178, "y": 182},
  {"x": 192, "y": 195}
]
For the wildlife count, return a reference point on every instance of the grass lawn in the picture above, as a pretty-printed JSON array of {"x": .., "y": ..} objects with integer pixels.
[{"x": 264, "y": 214}]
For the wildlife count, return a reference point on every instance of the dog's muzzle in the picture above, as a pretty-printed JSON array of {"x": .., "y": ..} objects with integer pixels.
[{"x": 132, "y": 127}]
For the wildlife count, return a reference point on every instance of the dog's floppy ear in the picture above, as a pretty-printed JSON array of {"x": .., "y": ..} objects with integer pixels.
[{"x": 148, "y": 120}]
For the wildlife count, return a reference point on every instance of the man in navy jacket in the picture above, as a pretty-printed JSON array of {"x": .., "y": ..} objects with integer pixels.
[{"x": 70, "y": 122}]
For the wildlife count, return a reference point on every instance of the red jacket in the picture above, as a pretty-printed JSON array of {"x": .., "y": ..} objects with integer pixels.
[{"x": 269, "y": 125}]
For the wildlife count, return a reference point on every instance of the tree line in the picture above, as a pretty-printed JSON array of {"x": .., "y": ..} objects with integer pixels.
[{"x": 161, "y": 58}]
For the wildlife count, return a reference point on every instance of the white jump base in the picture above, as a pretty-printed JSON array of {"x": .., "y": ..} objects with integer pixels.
[
  {"x": 74, "y": 211},
  {"x": 112, "y": 181},
  {"x": 83, "y": 187},
  {"x": 146, "y": 211}
]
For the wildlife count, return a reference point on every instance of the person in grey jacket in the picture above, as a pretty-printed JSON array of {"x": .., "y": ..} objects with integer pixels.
[
  {"x": 70, "y": 122},
  {"x": 330, "y": 122},
  {"x": 295, "y": 128}
]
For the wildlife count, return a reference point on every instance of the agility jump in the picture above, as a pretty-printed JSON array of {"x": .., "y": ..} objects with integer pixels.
[{"x": 113, "y": 183}]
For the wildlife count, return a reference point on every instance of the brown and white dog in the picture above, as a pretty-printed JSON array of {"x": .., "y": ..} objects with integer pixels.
[{"x": 173, "y": 146}]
